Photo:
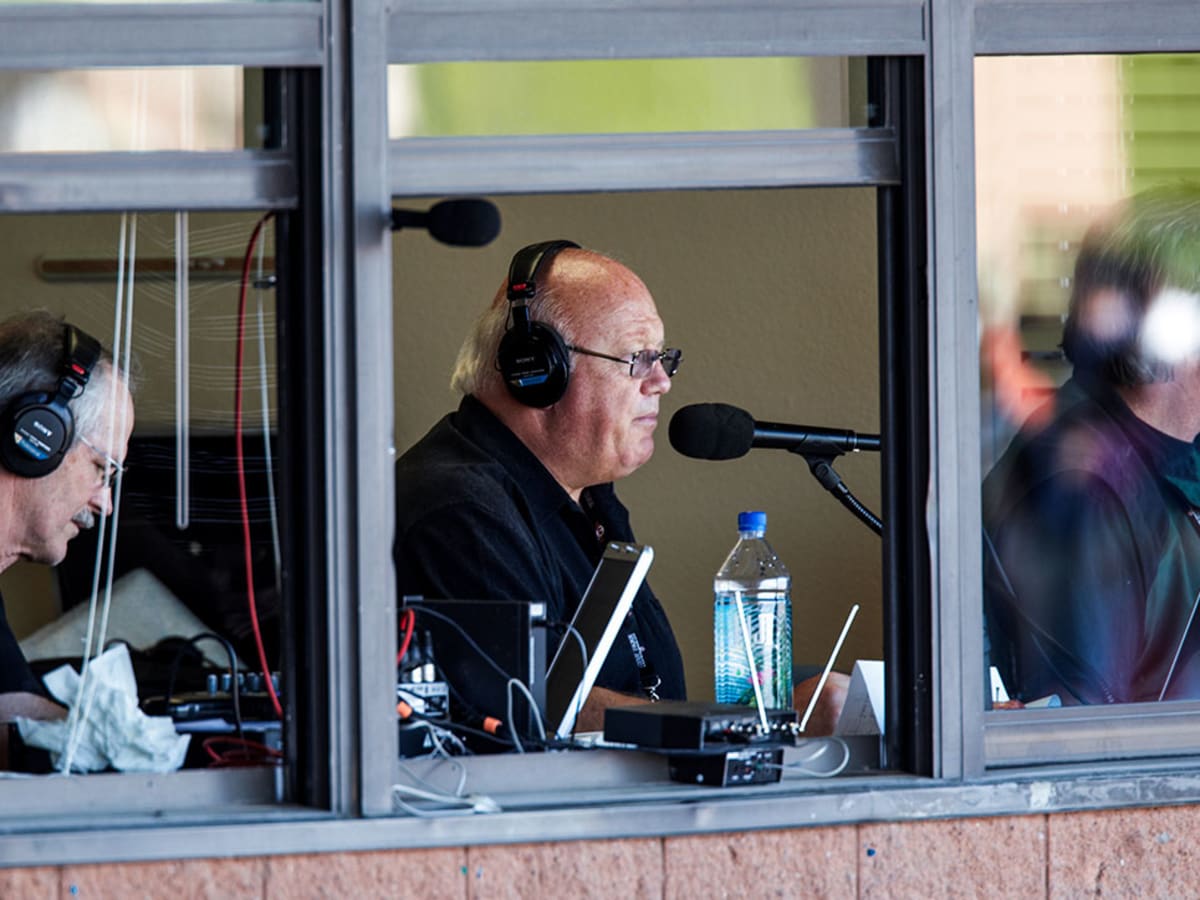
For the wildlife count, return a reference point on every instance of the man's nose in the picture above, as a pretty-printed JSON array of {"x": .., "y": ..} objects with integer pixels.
[
  {"x": 658, "y": 381},
  {"x": 101, "y": 500}
]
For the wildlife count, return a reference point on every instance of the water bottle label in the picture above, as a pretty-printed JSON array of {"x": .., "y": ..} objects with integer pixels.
[{"x": 752, "y": 650}]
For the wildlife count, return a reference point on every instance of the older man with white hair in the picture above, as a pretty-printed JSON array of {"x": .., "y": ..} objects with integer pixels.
[{"x": 65, "y": 426}]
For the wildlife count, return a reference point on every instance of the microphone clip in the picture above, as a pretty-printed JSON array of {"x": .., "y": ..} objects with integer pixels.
[{"x": 821, "y": 466}]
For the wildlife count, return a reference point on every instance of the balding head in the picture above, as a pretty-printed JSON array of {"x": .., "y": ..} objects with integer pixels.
[
  {"x": 602, "y": 428},
  {"x": 574, "y": 282}
]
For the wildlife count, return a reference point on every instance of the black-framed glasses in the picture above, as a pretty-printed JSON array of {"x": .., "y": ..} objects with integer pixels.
[
  {"x": 109, "y": 469},
  {"x": 642, "y": 362}
]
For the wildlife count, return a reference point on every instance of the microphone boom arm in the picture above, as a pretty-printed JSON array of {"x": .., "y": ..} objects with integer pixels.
[{"x": 821, "y": 466}]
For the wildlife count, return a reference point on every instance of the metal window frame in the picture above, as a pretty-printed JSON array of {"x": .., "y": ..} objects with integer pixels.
[
  {"x": 70, "y": 35},
  {"x": 462, "y": 30},
  {"x": 351, "y": 42},
  {"x": 1070, "y": 736},
  {"x": 274, "y": 179},
  {"x": 872, "y": 156}
]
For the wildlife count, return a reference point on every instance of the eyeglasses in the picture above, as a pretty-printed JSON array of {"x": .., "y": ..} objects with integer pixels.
[
  {"x": 642, "y": 362},
  {"x": 109, "y": 469}
]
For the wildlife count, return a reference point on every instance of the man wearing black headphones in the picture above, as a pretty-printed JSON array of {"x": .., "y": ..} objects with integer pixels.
[
  {"x": 64, "y": 429},
  {"x": 511, "y": 496}
]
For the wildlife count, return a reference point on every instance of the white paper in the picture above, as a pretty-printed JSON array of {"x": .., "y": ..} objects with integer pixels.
[
  {"x": 863, "y": 711},
  {"x": 117, "y": 733},
  {"x": 999, "y": 694}
]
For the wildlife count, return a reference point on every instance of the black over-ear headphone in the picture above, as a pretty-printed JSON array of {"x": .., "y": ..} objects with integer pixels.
[
  {"x": 533, "y": 358},
  {"x": 37, "y": 428}
]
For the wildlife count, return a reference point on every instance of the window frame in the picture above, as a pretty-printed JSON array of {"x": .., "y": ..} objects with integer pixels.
[
  {"x": 343, "y": 171},
  {"x": 280, "y": 180},
  {"x": 1066, "y": 736},
  {"x": 873, "y": 156}
]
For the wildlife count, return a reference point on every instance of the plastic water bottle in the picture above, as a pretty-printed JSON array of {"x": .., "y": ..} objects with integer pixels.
[{"x": 753, "y": 612}]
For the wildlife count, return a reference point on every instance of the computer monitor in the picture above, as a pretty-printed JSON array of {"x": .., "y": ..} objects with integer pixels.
[{"x": 594, "y": 628}]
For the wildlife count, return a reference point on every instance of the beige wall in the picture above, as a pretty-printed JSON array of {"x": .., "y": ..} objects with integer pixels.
[
  {"x": 772, "y": 296},
  {"x": 1119, "y": 853}
]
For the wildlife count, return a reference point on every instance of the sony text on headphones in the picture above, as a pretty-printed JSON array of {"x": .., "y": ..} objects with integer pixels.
[
  {"x": 533, "y": 358},
  {"x": 37, "y": 428}
]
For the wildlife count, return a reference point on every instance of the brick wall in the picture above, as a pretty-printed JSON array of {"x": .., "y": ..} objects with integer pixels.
[{"x": 1127, "y": 853}]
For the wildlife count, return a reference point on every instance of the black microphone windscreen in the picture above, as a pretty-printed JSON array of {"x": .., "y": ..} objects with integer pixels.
[
  {"x": 712, "y": 431},
  {"x": 467, "y": 222}
]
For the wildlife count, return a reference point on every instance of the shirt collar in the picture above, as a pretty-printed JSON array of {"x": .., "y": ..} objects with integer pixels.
[{"x": 545, "y": 495}]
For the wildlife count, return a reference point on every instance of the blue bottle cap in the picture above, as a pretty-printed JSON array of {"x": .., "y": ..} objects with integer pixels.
[{"x": 752, "y": 521}]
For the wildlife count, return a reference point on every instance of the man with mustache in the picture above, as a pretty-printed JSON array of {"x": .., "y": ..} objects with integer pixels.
[{"x": 64, "y": 429}]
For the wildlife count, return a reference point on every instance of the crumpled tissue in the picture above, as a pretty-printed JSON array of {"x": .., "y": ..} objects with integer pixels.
[{"x": 116, "y": 733}]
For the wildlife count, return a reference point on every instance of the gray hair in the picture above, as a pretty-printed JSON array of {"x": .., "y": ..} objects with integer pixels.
[
  {"x": 32, "y": 357},
  {"x": 475, "y": 370}
]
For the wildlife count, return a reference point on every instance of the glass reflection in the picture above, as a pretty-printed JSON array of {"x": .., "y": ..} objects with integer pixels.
[
  {"x": 1089, "y": 284},
  {"x": 97, "y": 110},
  {"x": 625, "y": 96}
]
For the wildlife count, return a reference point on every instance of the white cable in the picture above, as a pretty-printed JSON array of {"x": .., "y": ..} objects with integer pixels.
[
  {"x": 266, "y": 421},
  {"x": 583, "y": 650},
  {"x": 812, "y": 702},
  {"x": 117, "y": 423},
  {"x": 182, "y": 373},
  {"x": 437, "y": 735},
  {"x": 80, "y": 711},
  {"x": 751, "y": 664},
  {"x": 537, "y": 713},
  {"x": 801, "y": 766},
  {"x": 474, "y": 803}
]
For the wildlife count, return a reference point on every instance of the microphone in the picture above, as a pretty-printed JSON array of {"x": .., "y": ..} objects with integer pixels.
[
  {"x": 466, "y": 222},
  {"x": 721, "y": 431}
]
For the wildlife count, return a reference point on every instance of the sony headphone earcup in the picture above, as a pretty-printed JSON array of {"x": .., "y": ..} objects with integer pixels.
[
  {"x": 535, "y": 364},
  {"x": 35, "y": 434}
]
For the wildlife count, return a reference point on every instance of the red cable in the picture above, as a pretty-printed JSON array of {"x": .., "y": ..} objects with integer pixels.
[
  {"x": 241, "y": 753},
  {"x": 407, "y": 620},
  {"x": 239, "y": 454}
]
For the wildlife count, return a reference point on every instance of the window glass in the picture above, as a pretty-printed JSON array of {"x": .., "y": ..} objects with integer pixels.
[
  {"x": 615, "y": 96},
  {"x": 1086, "y": 174},
  {"x": 88, "y": 110},
  {"x": 794, "y": 342},
  {"x": 190, "y": 568}
]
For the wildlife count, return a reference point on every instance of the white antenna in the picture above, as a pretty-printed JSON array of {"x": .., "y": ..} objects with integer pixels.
[{"x": 837, "y": 648}]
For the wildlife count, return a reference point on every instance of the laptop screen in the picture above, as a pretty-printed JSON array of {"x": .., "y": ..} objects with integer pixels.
[{"x": 597, "y": 621}]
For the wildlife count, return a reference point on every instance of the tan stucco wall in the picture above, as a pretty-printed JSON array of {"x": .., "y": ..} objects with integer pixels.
[{"x": 772, "y": 296}]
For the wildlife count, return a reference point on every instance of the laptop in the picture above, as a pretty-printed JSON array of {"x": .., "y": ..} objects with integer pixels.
[{"x": 594, "y": 628}]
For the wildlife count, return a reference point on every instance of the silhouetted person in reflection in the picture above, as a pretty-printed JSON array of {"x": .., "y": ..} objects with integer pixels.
[{"x": 1092, "y": 536}]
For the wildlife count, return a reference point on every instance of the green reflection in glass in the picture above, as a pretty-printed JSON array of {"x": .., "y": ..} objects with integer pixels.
[
  {"x": 1161, "y": 118},
  {"x": 623, "y": 96}
]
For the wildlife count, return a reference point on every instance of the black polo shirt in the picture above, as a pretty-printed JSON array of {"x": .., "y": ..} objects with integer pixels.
[
  {"x": 15, "y": 674},
  {"x": 479, "y": 517}
]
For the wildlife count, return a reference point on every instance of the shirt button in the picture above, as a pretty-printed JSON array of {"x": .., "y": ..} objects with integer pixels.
[{"x": 599, "y": 532}]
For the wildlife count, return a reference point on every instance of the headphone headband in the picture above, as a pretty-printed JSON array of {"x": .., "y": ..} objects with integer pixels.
[
  {"x": 81, "y": 352},
  {"x": 527, "y": 263}
]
